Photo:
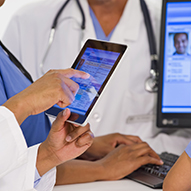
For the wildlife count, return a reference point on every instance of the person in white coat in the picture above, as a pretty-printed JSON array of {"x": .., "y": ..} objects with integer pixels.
[
  {"x": 17, "y": 162},
  {"x": 116, "y": 153},
  {"x": 126, "y": 107}
]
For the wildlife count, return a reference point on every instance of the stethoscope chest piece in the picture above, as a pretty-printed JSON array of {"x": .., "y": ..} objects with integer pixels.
[{"x": 151, "y": 83}]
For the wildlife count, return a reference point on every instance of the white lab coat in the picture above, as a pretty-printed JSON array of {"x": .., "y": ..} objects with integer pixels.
[
  {"x": 17, "y": 162},
  {"x": 125, "y": 106}
]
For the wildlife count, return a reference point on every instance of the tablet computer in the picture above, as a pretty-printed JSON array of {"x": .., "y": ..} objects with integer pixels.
[
  {"x": 100, "y": 59},
  {"x": 174, "y": 94}
]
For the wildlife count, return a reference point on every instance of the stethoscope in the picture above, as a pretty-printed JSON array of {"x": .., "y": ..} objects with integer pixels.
[
  {"x": 16, "y": 62},
  {"x": 53, "y": 30},
  {"x": 151, "y": 83}
]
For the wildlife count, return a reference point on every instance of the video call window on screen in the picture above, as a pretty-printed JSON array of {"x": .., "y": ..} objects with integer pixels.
[
  {"x": 176, "y": 95},
  {"x": 179, "y": 43}
]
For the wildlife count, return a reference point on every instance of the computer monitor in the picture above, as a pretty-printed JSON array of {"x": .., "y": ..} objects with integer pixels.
[{"x": 174, "y": 94}]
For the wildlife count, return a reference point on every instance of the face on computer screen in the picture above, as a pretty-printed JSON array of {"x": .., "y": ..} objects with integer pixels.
[{"x": 180, "y": 43}]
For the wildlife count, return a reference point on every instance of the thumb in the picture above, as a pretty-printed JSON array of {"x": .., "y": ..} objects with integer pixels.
[{"x": 60, "y": 120}]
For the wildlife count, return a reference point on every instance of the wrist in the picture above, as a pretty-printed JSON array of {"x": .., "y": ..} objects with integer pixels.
[
  {"x": 18, "y": 108},
  {"x": 46, "y": 159},
  {"x": 108, "y": 169},
  {"x": 100, "y": 171}
]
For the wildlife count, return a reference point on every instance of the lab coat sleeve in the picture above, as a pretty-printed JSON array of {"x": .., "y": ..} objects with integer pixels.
[
  {"x": 17, "y": 162},
  {"x": 30, "y": 166},
  {"x": 47, "y": 181},
  {"x": 12, "y": 141}
]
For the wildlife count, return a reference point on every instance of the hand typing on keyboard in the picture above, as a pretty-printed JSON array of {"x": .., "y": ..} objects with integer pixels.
[
  {"x": 125, "y": 159},
  {"x": 153, "y": 175}
]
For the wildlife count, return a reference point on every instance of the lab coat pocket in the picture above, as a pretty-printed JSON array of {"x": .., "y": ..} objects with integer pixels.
[{"x": 139, "y": 108}]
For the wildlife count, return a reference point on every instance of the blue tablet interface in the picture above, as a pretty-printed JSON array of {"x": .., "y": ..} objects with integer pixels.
[
  {"x": 99, "y": 59},
  {"x": 98, "y": 63}
]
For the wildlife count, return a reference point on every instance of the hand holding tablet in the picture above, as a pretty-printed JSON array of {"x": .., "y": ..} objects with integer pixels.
[{"x": 100, "y": 59}]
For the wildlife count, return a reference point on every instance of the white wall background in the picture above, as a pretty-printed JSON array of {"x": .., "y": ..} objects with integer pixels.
[{"x": 7, "y": 10}]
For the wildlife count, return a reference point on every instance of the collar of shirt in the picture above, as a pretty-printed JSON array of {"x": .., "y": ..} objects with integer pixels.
[
  {"x": 98, "y": 29},
  {"x": 37, "y": 178},
  {"x": 128, "y": 27},
  {"x": 129, "y": 22}
]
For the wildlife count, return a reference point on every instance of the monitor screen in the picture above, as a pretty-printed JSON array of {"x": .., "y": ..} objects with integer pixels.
[
  {"x": 177, "y": 59},
  {"x": 175, "y": 62}
]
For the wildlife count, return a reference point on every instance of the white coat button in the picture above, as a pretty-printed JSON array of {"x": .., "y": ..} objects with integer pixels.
[{"x": 97, "y": 117}]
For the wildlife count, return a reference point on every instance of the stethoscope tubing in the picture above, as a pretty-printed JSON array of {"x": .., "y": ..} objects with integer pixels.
[
  {"x": 151, "y": 38},
  {"x": 17, "y": 63},
  {"x": 150, "y": 34}
]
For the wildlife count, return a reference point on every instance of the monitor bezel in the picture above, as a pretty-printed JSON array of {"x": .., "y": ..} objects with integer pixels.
[{"x": 169, "y": 120}]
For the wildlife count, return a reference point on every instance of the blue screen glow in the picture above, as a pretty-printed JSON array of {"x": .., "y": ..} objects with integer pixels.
[{"x": 176, "y": 93}]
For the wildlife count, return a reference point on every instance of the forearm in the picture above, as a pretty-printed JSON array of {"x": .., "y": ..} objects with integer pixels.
[
  {"x": 45, "y": 160},
  {"x": 79, "y": 171},
  {"x": 179, "y": 176},
  {"x": 18, "y": 108}
]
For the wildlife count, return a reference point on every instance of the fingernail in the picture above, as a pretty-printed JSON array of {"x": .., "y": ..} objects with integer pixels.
[
  {"x": 64, "y": 112},
  {"x": 68, "y": 138},
  {"x": 161, "y": 162},
  {"x": 87, "y": 75},
  {"x": 92, "y": 135}
]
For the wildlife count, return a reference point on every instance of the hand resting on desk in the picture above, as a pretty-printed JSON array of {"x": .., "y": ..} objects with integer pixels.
[{"x": 118, "y": 163}]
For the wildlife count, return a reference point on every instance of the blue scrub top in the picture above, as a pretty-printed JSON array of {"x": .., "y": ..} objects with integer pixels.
[
  {"x": 35, "y": 128},
  {"x": 188, "y": 149},
  {"x": 98, "y": 29}
]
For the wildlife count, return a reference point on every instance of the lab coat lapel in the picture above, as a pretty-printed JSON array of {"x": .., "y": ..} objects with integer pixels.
[{"x": 132, "y": 17}]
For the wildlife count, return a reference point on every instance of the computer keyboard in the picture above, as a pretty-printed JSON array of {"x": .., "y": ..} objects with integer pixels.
[{"x": 153, "y": 175}]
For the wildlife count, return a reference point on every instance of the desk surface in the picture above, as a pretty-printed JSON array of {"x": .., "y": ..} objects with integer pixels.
[{"x": 120, "y": 185}]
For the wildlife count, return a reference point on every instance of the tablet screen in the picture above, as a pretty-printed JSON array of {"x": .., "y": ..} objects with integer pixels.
[
  {"x": 99, "y": 59},
  {"x": 98, "y": 63}
]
